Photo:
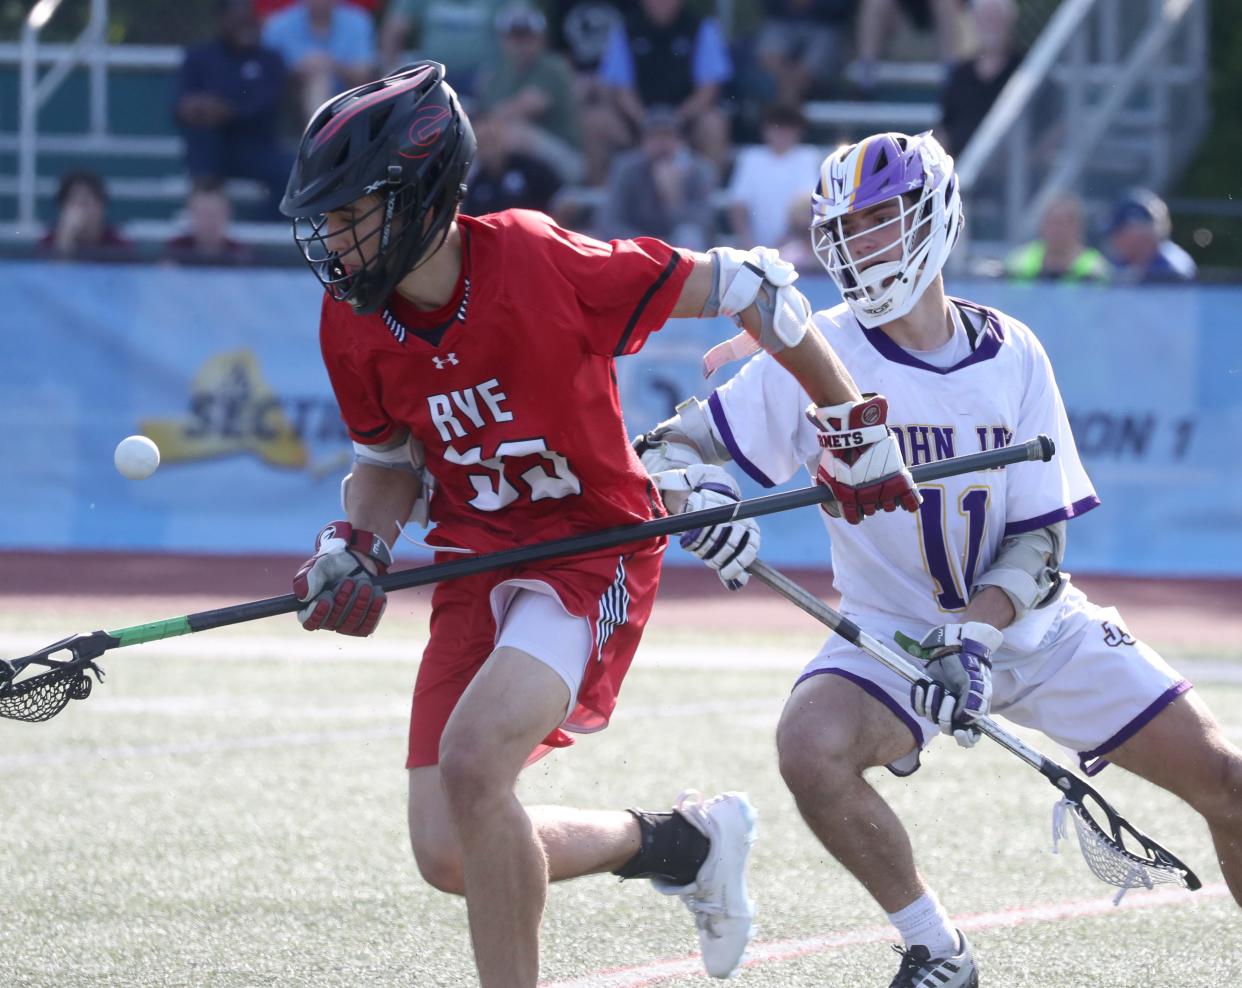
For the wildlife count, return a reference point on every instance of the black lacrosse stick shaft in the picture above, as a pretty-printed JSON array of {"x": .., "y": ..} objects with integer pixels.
[{"x": 93, "y": 645}]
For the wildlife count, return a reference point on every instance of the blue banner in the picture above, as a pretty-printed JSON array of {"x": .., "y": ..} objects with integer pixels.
[{"x": 221, "y": 368}]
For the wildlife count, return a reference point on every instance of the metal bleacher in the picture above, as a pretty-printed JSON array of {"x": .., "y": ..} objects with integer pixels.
[
  {"x": 1113, "y": 93},
  {"x": 108, "y": 107},
  {"x": 1127, "y": 80},
  {"x": 90, "y": 104}
]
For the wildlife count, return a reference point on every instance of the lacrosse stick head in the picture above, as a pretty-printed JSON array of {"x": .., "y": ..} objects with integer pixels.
[
  {"x": 40, "y": 696},
  {"x": 1117, "y": 853}
]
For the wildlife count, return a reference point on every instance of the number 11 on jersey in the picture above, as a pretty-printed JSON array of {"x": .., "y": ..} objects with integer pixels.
[{"x": 934, "y": 531}]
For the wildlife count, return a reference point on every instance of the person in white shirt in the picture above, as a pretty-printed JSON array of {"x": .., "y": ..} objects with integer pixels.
[
  {"x": 974, "y": 575},
  {"x": 759, "y": 193}
]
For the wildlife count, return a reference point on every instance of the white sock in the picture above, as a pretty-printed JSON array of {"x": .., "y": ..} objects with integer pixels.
[{"x": 925, "y": 921}]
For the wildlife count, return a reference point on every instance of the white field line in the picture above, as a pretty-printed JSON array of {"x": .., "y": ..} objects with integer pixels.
[
  {"x": 640, "y": 975},
  {"x": 310, "y": 649},
  {"x": 127, "y": 751},
  {"x": 655, "y": 654},
  {"x": 340, "y": 736}
]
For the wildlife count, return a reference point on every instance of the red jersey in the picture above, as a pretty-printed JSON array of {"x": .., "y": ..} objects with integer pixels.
[{"x": 517, "y": 404}]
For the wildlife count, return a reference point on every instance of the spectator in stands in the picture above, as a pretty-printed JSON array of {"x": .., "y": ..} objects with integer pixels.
[
  {"x": 877, "y": 20},
  {"x": 458, "y": 33},
  {"x": 974, "y": 83},
  {"x": 579, "y": 30},
  {"x": 768, "y": 176},
  {"x": 1139, "y": 244},
  {"x": 801, "y": 44},
  {"x": 229, "y": 93},
  {"x": 662, "y": 189},
  {"x": 82, "y": 231},
  {"x": 795, "y": 244},
  {"x": 209, "y": 214},
  {"x": 663, "y": 54},
  {"x": 265, "y": 8},
  {"x": 504, "y": 175},
  {"x": 532, "y": 89},
  {"x": 1061, "y": 252},
  {"x": 328, "y": 45}
]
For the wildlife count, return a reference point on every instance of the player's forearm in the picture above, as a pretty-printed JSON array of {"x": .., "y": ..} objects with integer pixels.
[
  {"x": 812, "y": 362},
  {"x": 379, "y": 498},
  {"x": 815, "y": 365},
  {"x": 991, "y": 605}
]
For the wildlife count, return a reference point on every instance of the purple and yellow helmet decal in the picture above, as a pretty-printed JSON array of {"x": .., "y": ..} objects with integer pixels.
[{"x": 882, "y": 279}]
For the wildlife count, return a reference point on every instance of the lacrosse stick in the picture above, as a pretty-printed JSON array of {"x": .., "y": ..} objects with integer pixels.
[
  {"x": 1104, "y": 846},
  {"x": 41, "y": 697}
]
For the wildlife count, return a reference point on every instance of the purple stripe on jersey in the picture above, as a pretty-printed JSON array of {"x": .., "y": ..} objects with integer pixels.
[
  {"x": 900, "y": 712},
  {"x": 989, "y": 344},
  {"x": 1131, "y": 729},
  {"x": 1079, "y": 507},
  {"x": 726, "y": 434}
]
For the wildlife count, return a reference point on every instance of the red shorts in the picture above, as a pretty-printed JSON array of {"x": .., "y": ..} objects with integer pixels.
[{"x": 614, "y": 592}]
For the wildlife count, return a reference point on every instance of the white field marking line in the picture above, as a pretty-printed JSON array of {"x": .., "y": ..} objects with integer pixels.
[
  {"x": 767, "y": 708},
  {"x": 308, "y": 738},
  {"x": 758, "y": 954},
  {"x": 224, "y": 704},
  {"x": 126, "y": 751},
  {"x": 297, "y": 649},
  {"x": 313, "y": 649}
]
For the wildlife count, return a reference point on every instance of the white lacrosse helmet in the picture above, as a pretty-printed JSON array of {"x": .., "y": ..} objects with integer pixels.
[{"x": 916, "y": 174}]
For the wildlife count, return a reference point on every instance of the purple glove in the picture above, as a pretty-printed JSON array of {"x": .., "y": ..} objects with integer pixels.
[{"x": 957, "y": 689}]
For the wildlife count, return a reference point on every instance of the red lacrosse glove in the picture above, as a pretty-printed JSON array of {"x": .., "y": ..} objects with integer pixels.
[
  {"x": 335, "y": 585},
  {"x": 861, "y": 462}
]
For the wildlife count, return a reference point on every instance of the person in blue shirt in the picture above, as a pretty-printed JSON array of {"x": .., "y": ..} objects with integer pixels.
[
  {"x": 227, "y": 105},
  {"x": 1139, "y": 244},
  {"x": 662, "y": 54},
  {"x": 329, "y": 46}
]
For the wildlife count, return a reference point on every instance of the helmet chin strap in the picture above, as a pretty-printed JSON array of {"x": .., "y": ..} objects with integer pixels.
[{"x": 386, "y": 229}]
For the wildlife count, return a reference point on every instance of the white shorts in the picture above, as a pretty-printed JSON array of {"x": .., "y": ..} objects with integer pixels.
[
  {"x": 1089, "y": 686},
  {"x": 530, "y": 617}
]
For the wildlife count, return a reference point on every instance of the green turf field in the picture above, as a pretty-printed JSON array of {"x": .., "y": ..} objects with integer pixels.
[{"x": 229, "y": 809}]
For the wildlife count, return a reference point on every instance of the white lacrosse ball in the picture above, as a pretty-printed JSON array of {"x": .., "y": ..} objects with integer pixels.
[{"x": 136, "y": 457}]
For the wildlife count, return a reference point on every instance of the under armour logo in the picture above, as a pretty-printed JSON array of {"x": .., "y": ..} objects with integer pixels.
[{"x": 442, "y": 362}]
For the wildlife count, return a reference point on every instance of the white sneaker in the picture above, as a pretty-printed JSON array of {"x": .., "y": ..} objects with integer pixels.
[{"x": 722, "y": 911}]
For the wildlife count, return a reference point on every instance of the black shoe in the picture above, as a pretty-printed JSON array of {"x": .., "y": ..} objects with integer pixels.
[{"x": 920, "y": 970}]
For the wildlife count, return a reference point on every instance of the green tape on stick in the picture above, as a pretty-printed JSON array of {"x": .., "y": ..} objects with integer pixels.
[{"x": 153, "y": 631}]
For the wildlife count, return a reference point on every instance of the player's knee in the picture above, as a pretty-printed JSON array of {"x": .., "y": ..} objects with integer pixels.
[
  {"x": 1220, "y": 801},
  {"x": 468, "y": 772},
  {"x": 439, "y": 865},
  {"x": 814, "y": 757}
]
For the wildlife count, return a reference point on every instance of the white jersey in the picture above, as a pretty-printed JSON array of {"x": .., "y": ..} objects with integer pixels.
[{"x": 995, "y": 387}]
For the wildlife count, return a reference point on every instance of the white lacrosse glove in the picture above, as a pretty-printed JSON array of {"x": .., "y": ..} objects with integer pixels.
[
  {"x": 754, "y": 277},
  {"x": 728, "y": 547},
  {"x": 958, "y": 687}
]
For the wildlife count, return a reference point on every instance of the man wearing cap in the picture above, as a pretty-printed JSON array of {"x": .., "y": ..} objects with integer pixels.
[
  {"x": 532, "y": 90},
  {"x": 661, "y": 189},
  {"x": 1139, "y": 244}
]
